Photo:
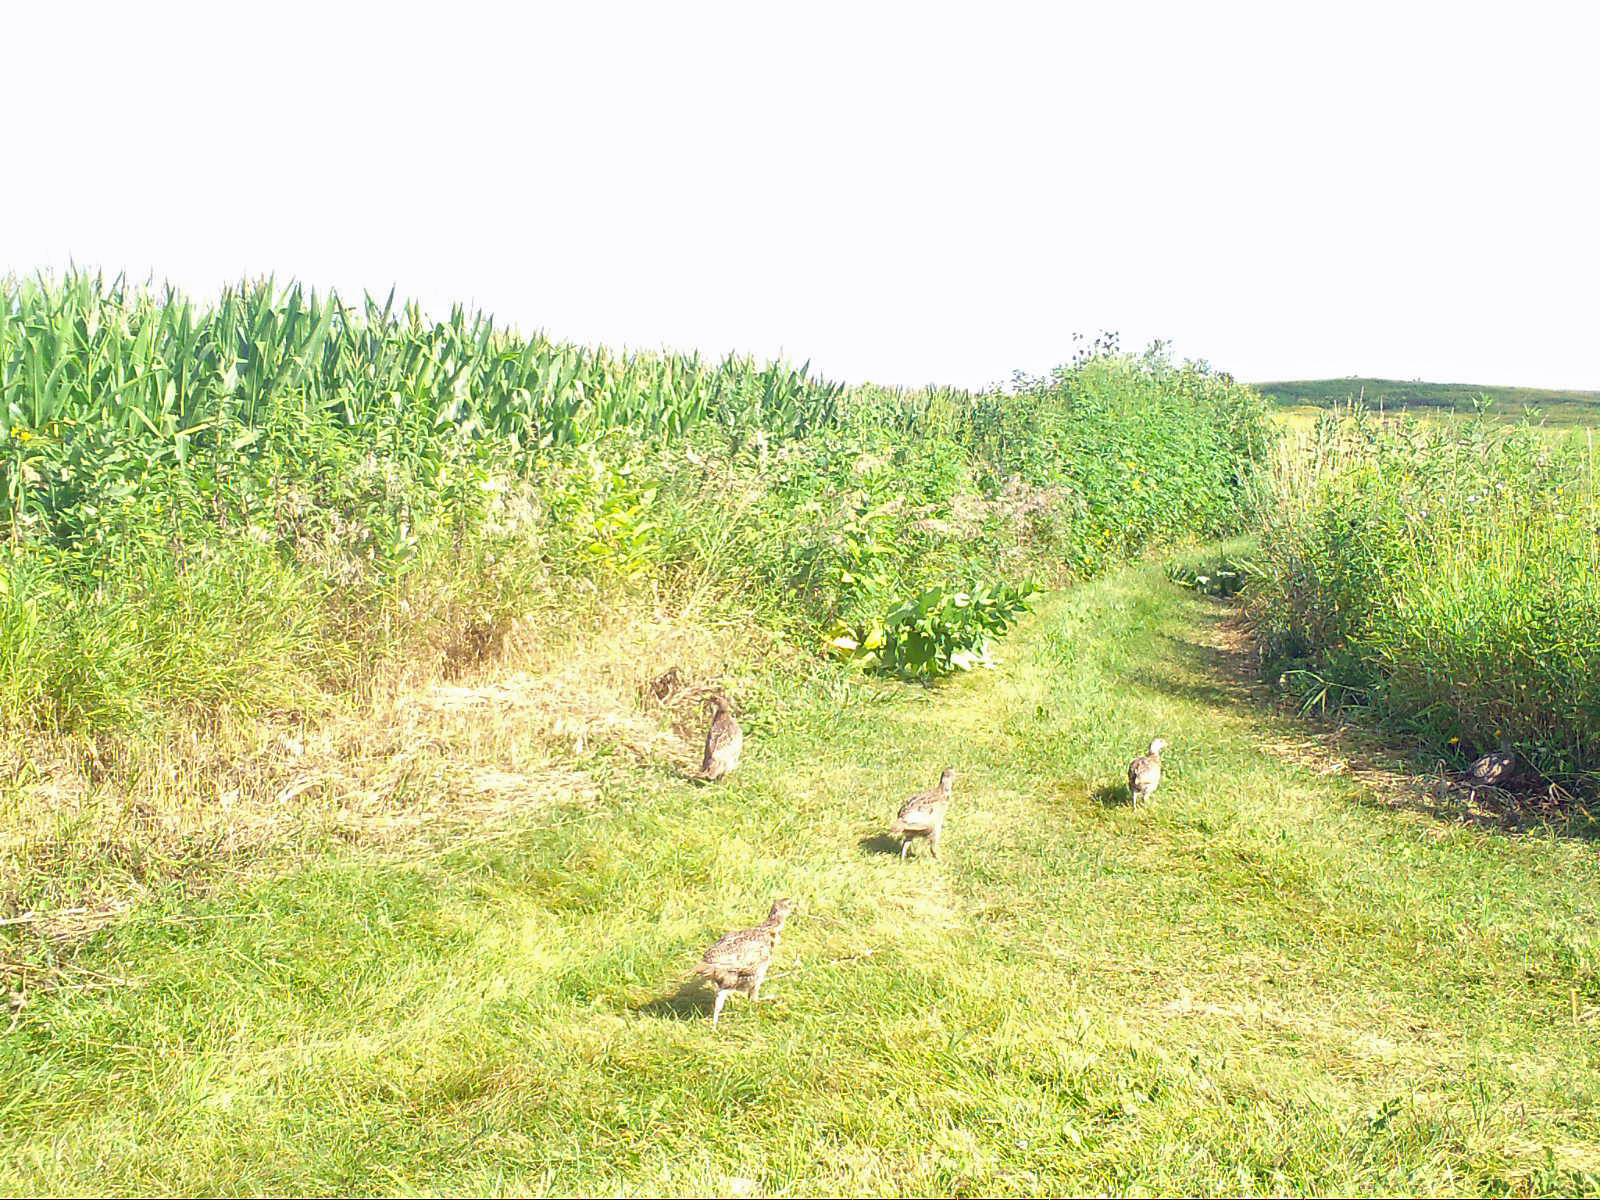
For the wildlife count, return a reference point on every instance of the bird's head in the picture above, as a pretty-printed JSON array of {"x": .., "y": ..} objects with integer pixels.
[
  {"x": 1157, "y": 746},
  {"x": 780, "y": 912},
  {"x": 948, "y": 778},
  {"x": 719, "y": 702}
]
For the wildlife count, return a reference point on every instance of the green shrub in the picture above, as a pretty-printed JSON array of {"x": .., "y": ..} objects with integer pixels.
[{"x": 940, "y": 630}]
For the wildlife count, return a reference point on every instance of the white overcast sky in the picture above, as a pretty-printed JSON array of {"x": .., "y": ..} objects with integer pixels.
[{"x": 899, "y": 192}]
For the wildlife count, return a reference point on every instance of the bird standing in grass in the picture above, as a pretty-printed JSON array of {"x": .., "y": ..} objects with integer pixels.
[
  {"x": 1493, "y": 768},
  {"x": 724, "y": 740},
  {"x": 1144, "y": 772},
  {"x": 923, "y": 815},
  {"x": 738, "y": 961}
]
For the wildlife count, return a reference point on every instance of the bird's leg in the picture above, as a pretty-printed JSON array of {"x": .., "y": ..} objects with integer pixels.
[
  {"x": 905, "y": 844},
  {"x": 755, "y": 989},
  {"x": 933, "y": 843},
  {"x": 716, "y": 1009}
]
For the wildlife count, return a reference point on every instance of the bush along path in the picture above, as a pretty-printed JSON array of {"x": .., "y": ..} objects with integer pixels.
[{"x": 1264, "y": 980}]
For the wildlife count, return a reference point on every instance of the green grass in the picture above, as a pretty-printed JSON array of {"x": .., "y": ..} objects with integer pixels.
[
  {"x": 1263, "y": 982},
  {"x": 1556, "y": 407}
]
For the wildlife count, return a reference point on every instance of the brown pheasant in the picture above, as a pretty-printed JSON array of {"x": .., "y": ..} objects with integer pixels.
[
  {"x": 922, "y": 816},
  {"x": 724, "y": 740},
  {"x": 738, "y": 961},
  {"x": 1493, "y": 768},
  {"x": 1144, "y": 772}
]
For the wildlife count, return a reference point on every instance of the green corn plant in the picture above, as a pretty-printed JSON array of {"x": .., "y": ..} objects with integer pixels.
[{"x": 85, "y": 353}]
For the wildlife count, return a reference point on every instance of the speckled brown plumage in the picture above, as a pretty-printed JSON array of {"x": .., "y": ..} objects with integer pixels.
[
  {"x": 1144, "y": 772},
  {"x": 724, "y": 740},
  {"x": 922, "y": 816},
  {"x": 1493, "y": 769},
  {"x": 738, "y": 961}
]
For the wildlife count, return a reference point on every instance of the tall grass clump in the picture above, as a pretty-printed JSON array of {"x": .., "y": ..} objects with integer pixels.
[{"x": 1446, "y": 578}]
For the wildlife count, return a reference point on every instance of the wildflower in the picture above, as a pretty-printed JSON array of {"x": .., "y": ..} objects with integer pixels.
[{"x": 1455, "y": 741}]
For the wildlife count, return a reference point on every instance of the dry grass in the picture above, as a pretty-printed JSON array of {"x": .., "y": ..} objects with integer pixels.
[{"x": 86, "y": 828}]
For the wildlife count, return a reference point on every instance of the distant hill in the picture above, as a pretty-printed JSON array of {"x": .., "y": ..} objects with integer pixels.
[{"x": 1555, "y": 407}]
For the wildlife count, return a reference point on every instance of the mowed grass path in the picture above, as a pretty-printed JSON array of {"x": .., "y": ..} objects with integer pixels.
[{"x": 1263, "y": 982}]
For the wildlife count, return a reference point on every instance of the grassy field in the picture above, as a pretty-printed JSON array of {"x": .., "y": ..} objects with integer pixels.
[
  {"x": 1557, "y": 408},
  {"x": 1274, "y": 979},
  {"x": 227, "y": 525}
]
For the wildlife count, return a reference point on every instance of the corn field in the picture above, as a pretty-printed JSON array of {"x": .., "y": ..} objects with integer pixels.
[{"x": 102, "y": 369}]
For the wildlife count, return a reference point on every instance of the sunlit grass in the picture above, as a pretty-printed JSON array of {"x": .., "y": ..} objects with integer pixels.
[{"x": 1260, "y": 983}]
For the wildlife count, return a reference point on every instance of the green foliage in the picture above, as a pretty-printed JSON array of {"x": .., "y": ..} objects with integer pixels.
[
  {"x": 354, "y": 474},
  {"x": 939, "y": 630},
  {"x": 213, "y": 632},
  {"x": 1445, "y": 578},
  {"x": 604, "y": 519},
  {"x": 83, "y": 356},
  {"x": 1147, "y": 448}
]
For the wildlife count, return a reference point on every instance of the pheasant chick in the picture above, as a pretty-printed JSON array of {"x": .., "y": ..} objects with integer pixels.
[
  {"x": 922, "y": 816},
  {"x": 1144, "y": 772},
  {"x": 1493, "y": 768},
  {"x": 724, "y": 740},
  {"x": 738, "y": 961}
]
